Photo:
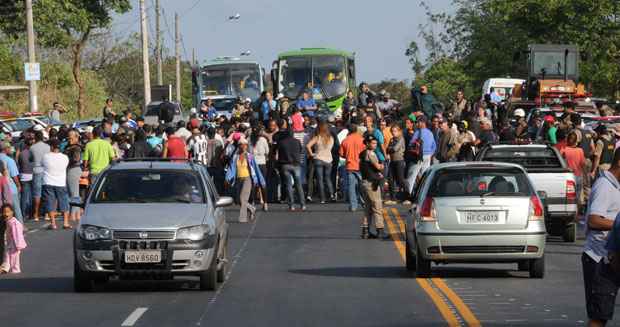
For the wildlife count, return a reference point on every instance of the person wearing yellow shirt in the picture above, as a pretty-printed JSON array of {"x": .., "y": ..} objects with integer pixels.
[{"x": 243, "y": 173}]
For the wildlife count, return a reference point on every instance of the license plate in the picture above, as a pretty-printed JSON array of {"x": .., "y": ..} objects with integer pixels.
[
  {"x": 485, "y": 217},
  {"x": 142, "y": 256}
]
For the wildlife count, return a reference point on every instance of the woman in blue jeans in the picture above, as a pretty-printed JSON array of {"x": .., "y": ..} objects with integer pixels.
[{"x": 320, "y": 149}]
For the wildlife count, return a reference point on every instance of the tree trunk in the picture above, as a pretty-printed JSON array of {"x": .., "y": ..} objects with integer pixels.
[{"x": 76, "y": 49}]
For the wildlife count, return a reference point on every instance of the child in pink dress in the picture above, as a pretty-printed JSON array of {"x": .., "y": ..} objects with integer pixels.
[{"x": 14, "y": 241}]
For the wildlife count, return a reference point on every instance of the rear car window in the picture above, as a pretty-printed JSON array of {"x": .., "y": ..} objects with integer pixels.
[
  {"x": 459, "y": 182},
  {"x": 150, "y": 187},
  {"x": 528, "y": 158}
]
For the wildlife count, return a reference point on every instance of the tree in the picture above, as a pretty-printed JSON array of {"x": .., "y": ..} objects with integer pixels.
[
  {"x": 444, "y": 78},
  {"x": 484, "y": 35},
  {"x": 63, "y": 24}
]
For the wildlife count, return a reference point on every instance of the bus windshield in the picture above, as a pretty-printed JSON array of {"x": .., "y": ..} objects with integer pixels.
[
  {"x": 324, "y": 76},
  {"x": 239, "y": 80}
]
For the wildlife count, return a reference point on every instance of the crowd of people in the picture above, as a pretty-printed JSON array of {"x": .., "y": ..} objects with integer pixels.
[{"x": 279, "y": 150}]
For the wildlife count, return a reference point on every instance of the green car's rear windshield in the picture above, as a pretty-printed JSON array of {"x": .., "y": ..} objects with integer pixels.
[
  {"x": 480, "y": 182},
  {"x": 134, "y": 186}
]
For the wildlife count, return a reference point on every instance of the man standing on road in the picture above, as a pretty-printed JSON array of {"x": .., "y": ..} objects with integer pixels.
[
  {"x": 267, "y": 107},
  {"x": 289, "y": 158},
  {"x": 57, "y": 109},
  {"x": 600, "y": 283},
  {"x": 350, "y": 149},
  {"x": 372, "y": 180},
  {"x": 38, "y": 150},
  {"x": 98, "y": 154},
  {"x": 55, "y": 166}
]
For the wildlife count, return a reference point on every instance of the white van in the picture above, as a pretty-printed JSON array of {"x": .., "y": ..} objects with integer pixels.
[{"x": 503, "y": 86}]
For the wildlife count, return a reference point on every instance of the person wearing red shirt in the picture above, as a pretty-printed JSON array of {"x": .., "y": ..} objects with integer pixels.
[
  {"x": 175, "y": 146},
  {"x": 576, "y": 161}
]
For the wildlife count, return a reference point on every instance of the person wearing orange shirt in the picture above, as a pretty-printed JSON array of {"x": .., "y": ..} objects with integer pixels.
[{"x": 350, "y": 150}]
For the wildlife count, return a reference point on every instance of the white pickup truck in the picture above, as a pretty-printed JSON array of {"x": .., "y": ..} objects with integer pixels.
[{"x": 554, "y": 182}]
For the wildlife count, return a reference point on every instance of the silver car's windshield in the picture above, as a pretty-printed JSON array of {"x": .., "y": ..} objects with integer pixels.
[
  {"x": 459, "y": 182},
  {"x": 149, "y": 187}
]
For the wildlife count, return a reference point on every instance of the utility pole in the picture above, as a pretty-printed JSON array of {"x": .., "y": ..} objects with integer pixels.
[
  {"x": 32, "y": 85},
  {"x": 177, "y": 41},
  {"x": 158, "y": 43},
  {"x": 145, "y": 55},
  {"x": 193, "y": 56}
]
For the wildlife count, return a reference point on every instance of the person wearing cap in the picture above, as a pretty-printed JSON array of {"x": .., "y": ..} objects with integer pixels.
[
  {"x": 521, "y": 133},
  {"x": 55, "y": 165},
  {"x": 307, "y": 103},
  {"x": 548, "y": 131},
  {"x": 371, "y": 170},
  {"x": 385, "y": 105},
  {"x": 243, "y": 174},
  {"x": 6, "y": 152},
  {"x": 603, "y": 150}
]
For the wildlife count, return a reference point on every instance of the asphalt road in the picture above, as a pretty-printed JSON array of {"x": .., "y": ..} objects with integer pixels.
[{"x": 300, "y": 269}]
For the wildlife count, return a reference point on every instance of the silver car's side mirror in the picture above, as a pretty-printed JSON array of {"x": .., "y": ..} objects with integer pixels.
[{"x": 224, "y": 201}]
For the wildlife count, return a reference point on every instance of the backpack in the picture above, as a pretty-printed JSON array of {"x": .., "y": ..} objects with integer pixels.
[{"x": 414, "y": 150}]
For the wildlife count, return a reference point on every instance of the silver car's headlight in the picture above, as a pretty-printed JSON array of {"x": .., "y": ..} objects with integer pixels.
[
  {"x": 94, "y": 233},
  {"x": 193, "y": 233}
]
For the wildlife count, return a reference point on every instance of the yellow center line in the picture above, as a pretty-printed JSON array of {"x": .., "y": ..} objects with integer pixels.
[
  {"x": 443, "y": 308},
  {"x": 463, "y": 309}
]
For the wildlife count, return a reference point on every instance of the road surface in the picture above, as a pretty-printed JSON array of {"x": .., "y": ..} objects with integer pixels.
[{"x": 300, "y": 269}]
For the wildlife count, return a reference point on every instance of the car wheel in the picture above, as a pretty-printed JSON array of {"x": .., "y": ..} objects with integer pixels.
[
  {"x": 537, "y": 268},
  {"x": 570, "y": 233},
  {"x": 409, "y": 257},
  {"x": 82, "y": 283},
  {"x": 208, "y": 278},
  {"x": 223, "y": 271},
  {"x": 422, "y": 266},
  {"x": 524, "y": 265}
]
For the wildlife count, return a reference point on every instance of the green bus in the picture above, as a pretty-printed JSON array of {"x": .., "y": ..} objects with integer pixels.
[{"x": 328, "y": 73}]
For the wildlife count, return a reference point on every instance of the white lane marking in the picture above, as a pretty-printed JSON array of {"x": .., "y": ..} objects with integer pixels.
[
  {"x": 234, "y": 262},
  {"x": 134, "y": 316}
]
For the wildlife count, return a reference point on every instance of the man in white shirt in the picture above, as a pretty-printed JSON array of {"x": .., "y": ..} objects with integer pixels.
[
  {"x": 600, "y": 283},
  {"x": 55, "y": 166}
]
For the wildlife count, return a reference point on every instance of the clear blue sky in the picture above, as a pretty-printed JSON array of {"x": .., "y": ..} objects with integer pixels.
[{"x": 378, "y": 31}]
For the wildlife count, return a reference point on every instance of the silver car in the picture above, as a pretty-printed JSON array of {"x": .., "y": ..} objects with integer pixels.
[
  {"x": 152, "y": 220},
  {"x": 480, "y": 212}
]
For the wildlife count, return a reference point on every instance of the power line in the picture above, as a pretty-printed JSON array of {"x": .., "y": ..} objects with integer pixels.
[{"x": 190, "y": 8}]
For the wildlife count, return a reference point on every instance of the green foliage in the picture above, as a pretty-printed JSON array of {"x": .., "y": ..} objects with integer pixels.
[
  {"x": 483, "y": 35},
  {"x": 444, "y": 78},
  {"x": 10, "y": 65}
]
